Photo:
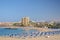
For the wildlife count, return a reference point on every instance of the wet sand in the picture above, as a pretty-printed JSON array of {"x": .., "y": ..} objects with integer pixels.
[{"x": 54, "y": 37}]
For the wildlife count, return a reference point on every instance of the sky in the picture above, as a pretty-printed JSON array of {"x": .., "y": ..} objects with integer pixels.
[{"x": 37, "y": 10}]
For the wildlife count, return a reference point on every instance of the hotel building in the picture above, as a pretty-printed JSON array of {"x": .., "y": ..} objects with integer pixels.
[{"x": 25, "y": 21}]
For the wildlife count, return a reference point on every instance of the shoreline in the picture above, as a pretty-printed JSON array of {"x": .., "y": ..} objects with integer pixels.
[
  {"x": 29, "y": 28},
  {"x": 50, "y": 37}
]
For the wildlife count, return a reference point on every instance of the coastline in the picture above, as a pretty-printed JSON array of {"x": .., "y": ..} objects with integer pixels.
[
  {"x": 51, "y": 37},
  {"x": 28, "y": 28}
]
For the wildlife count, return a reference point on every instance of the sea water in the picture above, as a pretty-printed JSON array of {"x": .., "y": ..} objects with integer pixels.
[{"x": 22, "y": 32}]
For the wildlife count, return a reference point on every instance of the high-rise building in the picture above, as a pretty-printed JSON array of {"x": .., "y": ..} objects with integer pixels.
[{"x": 25, "y": 21}]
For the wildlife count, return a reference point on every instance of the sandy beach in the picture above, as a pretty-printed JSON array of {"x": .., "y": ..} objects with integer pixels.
[{"x": 54, "y": 37}]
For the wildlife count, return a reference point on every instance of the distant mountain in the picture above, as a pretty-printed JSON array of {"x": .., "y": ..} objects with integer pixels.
[{"x": 57, "y": 20}]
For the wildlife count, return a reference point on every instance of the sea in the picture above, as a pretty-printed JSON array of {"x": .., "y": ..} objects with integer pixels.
[{"x": 22, "y": 32}]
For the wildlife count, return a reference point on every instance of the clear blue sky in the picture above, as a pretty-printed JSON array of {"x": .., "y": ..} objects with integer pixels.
[{"x": 14, "y": 10}]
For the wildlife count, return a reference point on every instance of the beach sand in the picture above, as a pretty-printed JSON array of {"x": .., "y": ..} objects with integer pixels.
[{"x": 52, "y": 37}]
